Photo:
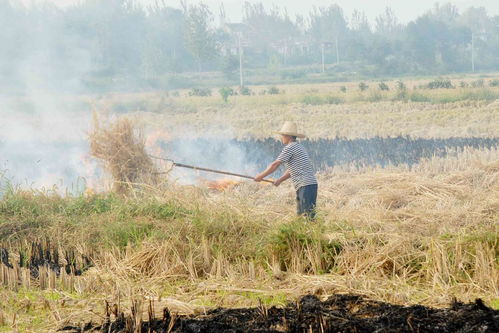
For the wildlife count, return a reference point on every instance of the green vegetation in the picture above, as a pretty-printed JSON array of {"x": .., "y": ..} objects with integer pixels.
[
  {"x": 169, "y": 48},
  {"x": 383, "y": 86},
  {"x": 225, "y": 92},
  {"x": 200, "y": 92},
  {"x": 440, "y": 84},
  {"x": 363, "y": 86},
  {"x": 419, "y": 244},
  {"x": 107, "y": 221},
  {"x": 319, "y": 100}
]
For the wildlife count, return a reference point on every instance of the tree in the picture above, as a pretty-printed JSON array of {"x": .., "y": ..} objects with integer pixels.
[
  {"x": 477, "y": 20},
  {"x": 424, "y": 36},
  {"x": 271, "y": 29},
  {"x": 445, "y": 13},
  {"x": 358, "y": 38},
  {"x": 200, "y": 34},
  {"x": 359, "y": 22},
  {"x": 163, "y": 44},
  {"x": 387, "y": 23},
  {"x": 328, "y": 24}
]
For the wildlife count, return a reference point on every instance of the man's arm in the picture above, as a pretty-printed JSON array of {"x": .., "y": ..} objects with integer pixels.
[
  {"x": 284, "y": 177},
  {"x": 270, "y": 169}
]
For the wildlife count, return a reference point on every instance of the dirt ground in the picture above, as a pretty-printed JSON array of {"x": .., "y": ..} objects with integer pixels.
[{"x": 339, "y": 313}]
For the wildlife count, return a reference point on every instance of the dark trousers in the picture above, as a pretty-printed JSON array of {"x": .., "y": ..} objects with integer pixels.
[{"x": 306, "y": 198}]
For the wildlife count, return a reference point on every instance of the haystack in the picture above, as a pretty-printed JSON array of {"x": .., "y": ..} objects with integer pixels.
[{"x": 121, "y": 148}]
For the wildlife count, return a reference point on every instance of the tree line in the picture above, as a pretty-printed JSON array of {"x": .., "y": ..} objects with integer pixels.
[{"x": 98, "y": 41}]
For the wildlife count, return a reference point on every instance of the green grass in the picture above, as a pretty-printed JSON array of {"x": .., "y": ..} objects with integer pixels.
[
  {"x": 320, "y": 100},
  {"x": 277, "y": 299},
  {"x": 299, "y": 236},
  {"x": 495, "y": 304},
  {"x": 107, "y": 221},
  {"x": 187, "y": 232}
]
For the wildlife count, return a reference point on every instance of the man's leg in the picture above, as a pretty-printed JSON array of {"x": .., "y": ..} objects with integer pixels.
[
  {"x": 300, "y": 207},
  {"x": 310, "y": 200},
  {"x": 306, "y": 198}
]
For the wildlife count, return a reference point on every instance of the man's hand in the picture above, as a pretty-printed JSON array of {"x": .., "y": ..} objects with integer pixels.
[
  {"x": 271, "y": 168},
  {"x": 258, "y": 178},
  {"x": 277, "y": 182}
]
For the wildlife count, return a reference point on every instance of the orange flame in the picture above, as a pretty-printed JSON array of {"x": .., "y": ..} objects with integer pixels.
[
  {"x": 224, "y": 184},
  {"x": 221, "y": 184}
]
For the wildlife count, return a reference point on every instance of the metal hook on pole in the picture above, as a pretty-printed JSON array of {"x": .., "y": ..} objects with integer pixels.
[{"x": 174, "y": 164}]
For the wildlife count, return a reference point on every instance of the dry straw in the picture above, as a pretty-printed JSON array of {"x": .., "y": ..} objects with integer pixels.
[{"x": 121, "y": 148}]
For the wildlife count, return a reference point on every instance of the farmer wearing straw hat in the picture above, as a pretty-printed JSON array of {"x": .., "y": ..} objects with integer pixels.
[{"x": 298, "y": 168}]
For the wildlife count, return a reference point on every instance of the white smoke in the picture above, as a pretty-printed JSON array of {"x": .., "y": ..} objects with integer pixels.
[{"x": 43, "y": 121}]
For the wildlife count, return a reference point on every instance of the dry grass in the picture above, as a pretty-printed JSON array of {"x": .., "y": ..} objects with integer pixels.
[
  {"x": 121, "y": 148},
  {"x": 405, "y": 236},
  {"x": 350, "y": 120},
  {"x": 462, "y": 112}
]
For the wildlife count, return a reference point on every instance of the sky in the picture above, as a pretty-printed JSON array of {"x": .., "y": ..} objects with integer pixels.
[{"x": 405, "y": 10}]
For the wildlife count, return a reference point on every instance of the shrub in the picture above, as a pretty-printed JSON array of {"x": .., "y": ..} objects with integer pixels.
[
  {"x": 440, "y": 84},
  {"x": 200, "y": 92},
  {"x": 494, "y": 83},
  {"x": 363, "y": 86},
  {"x": 319, "y": 100},
  {"x": 463, "y": 84},
  {"x": 383, "y": 86},
  {"x": 343, "y": 89},
  {"x": 245, "y": 91},
  {"x": 225, "y": 92},
  {"x": 273, "y": 91}
]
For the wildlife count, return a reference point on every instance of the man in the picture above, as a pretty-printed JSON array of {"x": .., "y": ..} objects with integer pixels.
[{"x": 298, "y": 168}]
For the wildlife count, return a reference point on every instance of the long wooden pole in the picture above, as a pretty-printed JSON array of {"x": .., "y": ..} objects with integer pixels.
[{"x": 208, "y": 170}]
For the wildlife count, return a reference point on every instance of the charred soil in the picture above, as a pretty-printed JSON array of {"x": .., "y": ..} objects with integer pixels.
[{"x": 339, "y": 313}]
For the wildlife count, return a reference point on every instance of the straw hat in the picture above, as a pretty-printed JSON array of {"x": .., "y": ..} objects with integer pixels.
[{"x": 290, "y": 128}]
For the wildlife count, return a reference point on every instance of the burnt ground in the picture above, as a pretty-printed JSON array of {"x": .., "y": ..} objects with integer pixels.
[
  {"x": 46, "y": 255},
  {"x": 339, "y": 313}
]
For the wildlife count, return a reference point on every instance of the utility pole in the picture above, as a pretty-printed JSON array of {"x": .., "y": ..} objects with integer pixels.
[
  {"x": 241, "y": 83},
  {"x": 285, "y": 52},
  {"x": 337, "y": 51},
  {"x": 322, "y": 50},
  {"x": 472, "y": 52}
]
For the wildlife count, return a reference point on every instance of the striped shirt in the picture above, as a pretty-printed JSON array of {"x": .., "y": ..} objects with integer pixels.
[{"x": 296, "y": 160}]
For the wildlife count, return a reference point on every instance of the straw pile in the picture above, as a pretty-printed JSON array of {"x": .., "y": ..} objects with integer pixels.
[{"x": 121, "y": 148}]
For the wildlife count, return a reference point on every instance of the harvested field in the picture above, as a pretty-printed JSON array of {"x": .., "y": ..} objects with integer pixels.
[
  {"x": 257, "y": 117},
  {"x": 408, "y": 218},
  {"x": 338, "y": 313},
  {"x": 400, "y": 237}
]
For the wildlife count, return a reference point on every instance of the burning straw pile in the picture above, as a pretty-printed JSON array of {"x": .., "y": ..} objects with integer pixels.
[{"x": 121, "y": 148}]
